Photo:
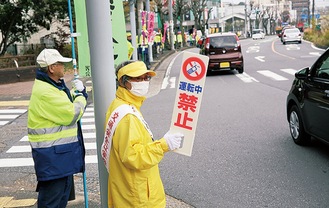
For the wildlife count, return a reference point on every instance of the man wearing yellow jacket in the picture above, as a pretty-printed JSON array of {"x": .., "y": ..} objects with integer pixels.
[
  {"x": 54, "y": 130},
  {"x": 130, "y": 153}
]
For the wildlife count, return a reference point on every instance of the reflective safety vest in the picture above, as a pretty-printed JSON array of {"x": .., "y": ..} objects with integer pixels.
[
  {"x": 130, "y": 49},
  {"x": 179, "y": 38},
  {"x": 53, "y": 130}
]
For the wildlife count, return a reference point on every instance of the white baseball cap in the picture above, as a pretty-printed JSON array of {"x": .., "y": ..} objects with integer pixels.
[{"x": 50, "y": 56}]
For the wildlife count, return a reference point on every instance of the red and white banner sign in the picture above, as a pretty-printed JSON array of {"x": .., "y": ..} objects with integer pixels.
[{"x": 188, "y": 98}]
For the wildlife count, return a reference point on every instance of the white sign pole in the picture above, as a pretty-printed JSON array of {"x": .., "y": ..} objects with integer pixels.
[{"x": 188, "y": 99}]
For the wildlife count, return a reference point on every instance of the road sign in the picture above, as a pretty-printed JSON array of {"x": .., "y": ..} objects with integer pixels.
[{"x": 188, "y": 98}]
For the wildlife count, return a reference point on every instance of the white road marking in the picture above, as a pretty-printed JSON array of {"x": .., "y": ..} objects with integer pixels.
[
  {"x": 88, "y": 114},
  {"x": 253, "y": 49},
  {"x": 27, "y": 148},
  {"x": 289, "y": 71},
  {"x": 165, "y": 81},
  {"x": 272, "y": 75},
  {"x": 88, "y": 127},
  {"x": 260, "y": 58},
  {"x": 10, "y": 116},
  {"x": 246, "y": 78},
  {"x": 85, "y": 120},
  {"x": 172, "y": 82},
  {"x": 3, "y": 123},
  {"x": 13, "y": 110},
  {"x": 91, "y": 135},
  {"x": 23, "y": 162}
]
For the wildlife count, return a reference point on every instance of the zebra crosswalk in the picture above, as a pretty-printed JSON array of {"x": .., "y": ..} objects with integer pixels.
[
  {"x": 169, "y": 82},
  {"x": 19, "y": 155},
  {"x": 8, "y": 115}
]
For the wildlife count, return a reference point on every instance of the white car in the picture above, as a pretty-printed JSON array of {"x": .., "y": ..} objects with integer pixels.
[
  {"x": 291, "y": 35},
  {"x": 258, "y": 34}
]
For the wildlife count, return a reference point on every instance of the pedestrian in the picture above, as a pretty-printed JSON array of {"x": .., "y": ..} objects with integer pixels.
[
  {"x": 129, "y": 46},
  {"x": 54, "y": 130},
  {"x": 130, "y": 153}
]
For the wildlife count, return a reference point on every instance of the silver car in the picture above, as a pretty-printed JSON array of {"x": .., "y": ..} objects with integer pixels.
[{"x": 291, "y": 35}]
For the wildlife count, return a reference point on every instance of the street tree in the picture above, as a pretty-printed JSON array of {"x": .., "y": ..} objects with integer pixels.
[
  {"x": 22, "y": 18},
  {"x": 198, "y": 7},
  {"x": 180, "y": 9}
]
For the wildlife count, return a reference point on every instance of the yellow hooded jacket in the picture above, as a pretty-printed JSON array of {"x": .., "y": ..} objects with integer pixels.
[{"x": 134, "y": 178}]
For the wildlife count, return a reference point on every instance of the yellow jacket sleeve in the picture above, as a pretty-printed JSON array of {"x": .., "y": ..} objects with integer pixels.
[{"x": 135, "y": 146}]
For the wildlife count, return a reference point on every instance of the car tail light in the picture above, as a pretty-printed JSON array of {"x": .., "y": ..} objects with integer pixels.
[
  {"x": 207, "y": 43},
  {"x": 238, "y": 47}
]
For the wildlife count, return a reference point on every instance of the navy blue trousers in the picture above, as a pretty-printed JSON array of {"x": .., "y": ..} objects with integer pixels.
[{"x": 54, "y": 193}]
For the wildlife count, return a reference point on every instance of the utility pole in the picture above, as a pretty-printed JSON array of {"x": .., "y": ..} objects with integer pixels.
[
  {"x": 133, "y": 28},
  {"x": 171, "y": 25},
  {"x": 245, "y": 19},
  {"x": 232, "y": 19},
  {"x": 102, "y": 73},
  {"x": 313, "y": 16}
]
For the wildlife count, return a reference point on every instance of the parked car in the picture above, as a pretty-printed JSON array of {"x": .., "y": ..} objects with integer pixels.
[
  {"x": 308, "y": 102},
  {"x": 258, "y": 34},
  {"x": 224, "y": 52},
  {"x": 291, "y": 35}
]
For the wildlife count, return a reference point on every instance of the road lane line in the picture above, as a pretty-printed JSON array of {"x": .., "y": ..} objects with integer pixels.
[
  {"x": 280, "y": 53},
  {"x": 165, "y": 81}
]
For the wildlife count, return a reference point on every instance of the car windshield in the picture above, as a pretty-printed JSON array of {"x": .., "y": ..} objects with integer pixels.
[
  {"x": 223, "y": 41},
  {"x": 255, "y": 31},
  {"x": 292, "y": 30}
]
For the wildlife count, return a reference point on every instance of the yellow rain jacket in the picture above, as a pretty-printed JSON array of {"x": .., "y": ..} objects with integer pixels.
[{"x": 134, "y": 179}]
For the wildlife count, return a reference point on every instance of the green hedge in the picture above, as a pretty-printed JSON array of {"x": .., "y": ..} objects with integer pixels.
[{"x": 319, "y": 38}]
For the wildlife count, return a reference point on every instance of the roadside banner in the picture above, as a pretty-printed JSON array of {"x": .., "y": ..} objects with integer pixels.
[
  {"x": 188, "y": 99},
  {"x": 82, "y": 38},
  {"x": 118, "y": 32}
]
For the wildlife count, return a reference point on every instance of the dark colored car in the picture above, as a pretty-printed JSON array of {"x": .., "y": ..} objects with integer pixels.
[
  {"x": 224, "y": 52},
  {"x": 308, "y": 103}
]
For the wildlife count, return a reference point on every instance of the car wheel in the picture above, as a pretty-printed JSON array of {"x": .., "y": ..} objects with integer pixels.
[
  {"x": 284, "y": 43},
  {"x": 240, "y": 70},
  {"x": 300, "y": 42},
  {"x": 297, "y": 130}
]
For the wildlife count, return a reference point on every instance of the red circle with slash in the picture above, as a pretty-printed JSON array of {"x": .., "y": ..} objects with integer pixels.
[{"x": 190, "y": 71}]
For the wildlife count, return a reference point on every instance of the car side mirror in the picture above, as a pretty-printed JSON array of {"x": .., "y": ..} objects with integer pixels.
[{"x": 303, "y": 73}]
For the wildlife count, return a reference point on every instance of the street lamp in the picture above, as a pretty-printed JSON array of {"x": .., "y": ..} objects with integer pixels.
[{"x": 232, "y": 18}]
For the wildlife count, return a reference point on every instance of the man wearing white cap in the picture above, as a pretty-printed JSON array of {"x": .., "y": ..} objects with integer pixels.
[
  {"x": 54, "y": 131},
  {"x": 130, "y": 154}
]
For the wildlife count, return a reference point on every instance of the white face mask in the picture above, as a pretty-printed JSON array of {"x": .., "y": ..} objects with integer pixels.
[{"x": 139, "y": 88}]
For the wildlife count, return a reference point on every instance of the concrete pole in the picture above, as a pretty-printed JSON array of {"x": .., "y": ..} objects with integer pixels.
[
  {"x": 133, "y": 28},
  {"x": 103, "y": 76},
  {"x": 171, "y": 25},
  {"x": 150, "y": 54},
  {"x": 245, "y": 19}
]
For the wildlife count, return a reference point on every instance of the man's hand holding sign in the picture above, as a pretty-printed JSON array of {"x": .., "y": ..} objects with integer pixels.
[{"x": 188, "y": 99}]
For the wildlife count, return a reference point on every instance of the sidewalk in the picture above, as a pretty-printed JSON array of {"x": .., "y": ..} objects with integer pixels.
[{"x": 18, "y": 95}]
